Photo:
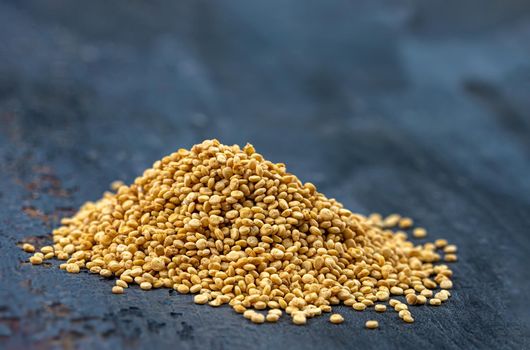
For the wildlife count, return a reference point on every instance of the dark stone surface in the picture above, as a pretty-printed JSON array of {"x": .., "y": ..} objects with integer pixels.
[{"x": 421, "y": 108}]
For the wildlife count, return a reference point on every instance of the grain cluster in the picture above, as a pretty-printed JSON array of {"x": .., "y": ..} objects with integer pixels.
[{"x": 227, "y": 225}]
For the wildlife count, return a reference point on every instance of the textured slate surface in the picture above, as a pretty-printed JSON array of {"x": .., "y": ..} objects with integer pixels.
[{"x": 421, "y": 108}]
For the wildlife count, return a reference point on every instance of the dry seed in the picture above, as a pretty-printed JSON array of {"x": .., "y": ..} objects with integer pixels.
[
  {"x": 359, "y": 306},
  {"x": 117, "y": 290},
  {"x": 336, "y": 318},
  {"x": 72, "y": 268},
  {"x": 411, "y": 299},
  {"x": 404, "y": 313},
  {"x": 275, "y": 312},
  {"x": 421, "y": 300},
  {"x": 406, "y": 223},
  {"x": 391, "y": 220},
  {"x": 396, "y": 291},
  {"x": 371, "y": 324},
  {"x": 380, "y": 308},
  {"x": 35, "y": 260},
  {"x": 299, "y": 318},
  {"x": 450, "y": 249},
  {"x": 419, "y": 232},
  {"x": 28, "y": 248},
  {"x": 272, "y": 317},
  {"x": 394, "y": 302},
  {"x": 46, "y": 249},
  {"x": 450, "y": 257},
  {"x": 442, "y": 296},
  {"x": 238, "y": 308},
  {"x": 248, "y": 314},
  {"x": 121, "y": 283},
  {"x": 435, "y": 302},
  {"x": 440, "y": 243},
  {"x": 257, "y": 318},
  {"x": 446, "y": 284},
  {"x": 408, "y": 319},
  {"x": 400, "y": 307}
]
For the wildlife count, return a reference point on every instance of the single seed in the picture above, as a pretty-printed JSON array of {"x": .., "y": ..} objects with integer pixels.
[
  {"x": 396, "y": 291},
  {"x": 248, "y": 314},
  {"x": 183, "y": 289},
  {"x": 122, "y": 283},
  {"x": 411, "y": 299},
  {"x": 46, "y": 249},
  {"x": 440, "y": 243},
  {"x": 392, "y": 220},
  {"x": 146, "y": 285},
  {"x": 394, "y": 302},
  {"x": 201, "y": 299},
  {"x": 371, "y": 324},
  {"x": 35, "y": 260},
  {"x": 28, "y": 248},
  {"x": 450, "y": 249},
  {"x": 450, "y": 257},
  {"x": 404, "y": 313},
  {"x": 238, "y": 308},
  {"x": 406, "y": 223},
  {"x": 336, "y": 318},
  {"x": 260, "y": 305},
  {"x": 442, "y": 296},
  {"x": 427, "y": 293},
  {"x": 257, "y": 318},
  {"x": 446, "y": 284},
  {"x": 72, "y": 268},
  {"x": 419, "y": 232},
  {"x": 400, "y": 307},
  {"x": 408, "y": 319},
  {"x": 359, "y": 306},
  {"x": 435, "y": 302},
  {"x": 421, "y": 300},
  {"x": 117, "y": 290},
  {"x": 299, "y": 318},
  {"x": 380, "y": 308},
  {"x": 272, "y": 317}
]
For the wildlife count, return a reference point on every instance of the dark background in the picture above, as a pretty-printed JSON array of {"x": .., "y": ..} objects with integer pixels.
[{"x": 415, "y": 107}]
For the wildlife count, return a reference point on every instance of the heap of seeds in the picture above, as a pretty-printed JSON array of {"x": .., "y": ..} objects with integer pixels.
[{"x": 226, "y": 224}]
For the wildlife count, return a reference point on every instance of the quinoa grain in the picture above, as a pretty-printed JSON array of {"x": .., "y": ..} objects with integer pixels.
[
  {"x": 336, "y": 318},
  {"x": 28, "y": 248},
  {"x": 117, "y": 290},
  {"x": 371, "y": 324},
  {"x": 419, "y": 232},
  {"x": 380, "y": 308}
]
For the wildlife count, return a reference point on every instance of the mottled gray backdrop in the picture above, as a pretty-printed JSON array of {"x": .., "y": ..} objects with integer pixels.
[{"x": 416, "y": 107}]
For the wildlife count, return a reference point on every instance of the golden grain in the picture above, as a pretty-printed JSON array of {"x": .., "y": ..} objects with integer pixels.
[
  {"x": 380, "y": 308},
  {"x": 117, "y": 290},
  {"x": 419, "y": 232},
  {"x": 28, "y": 248},
  {"x": 371, "y": 324},
  {"x": 336, "y": 318}
]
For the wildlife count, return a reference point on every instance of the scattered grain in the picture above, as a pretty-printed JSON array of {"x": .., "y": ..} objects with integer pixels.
[
  {"x": 419, "y": 232},
  {"x": 336, "y": 318},
  {"x": 371, "y": 324},
  {"x": 117, "y": 290},
  {"x": 380, "y": 308},
  {"x": 28, "y": 248}
]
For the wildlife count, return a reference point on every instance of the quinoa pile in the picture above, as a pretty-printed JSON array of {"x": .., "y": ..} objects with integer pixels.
[{"x": 227, "y": 225}]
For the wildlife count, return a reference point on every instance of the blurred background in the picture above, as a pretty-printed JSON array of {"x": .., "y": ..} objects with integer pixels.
[{"x": 416, "y": 107}]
